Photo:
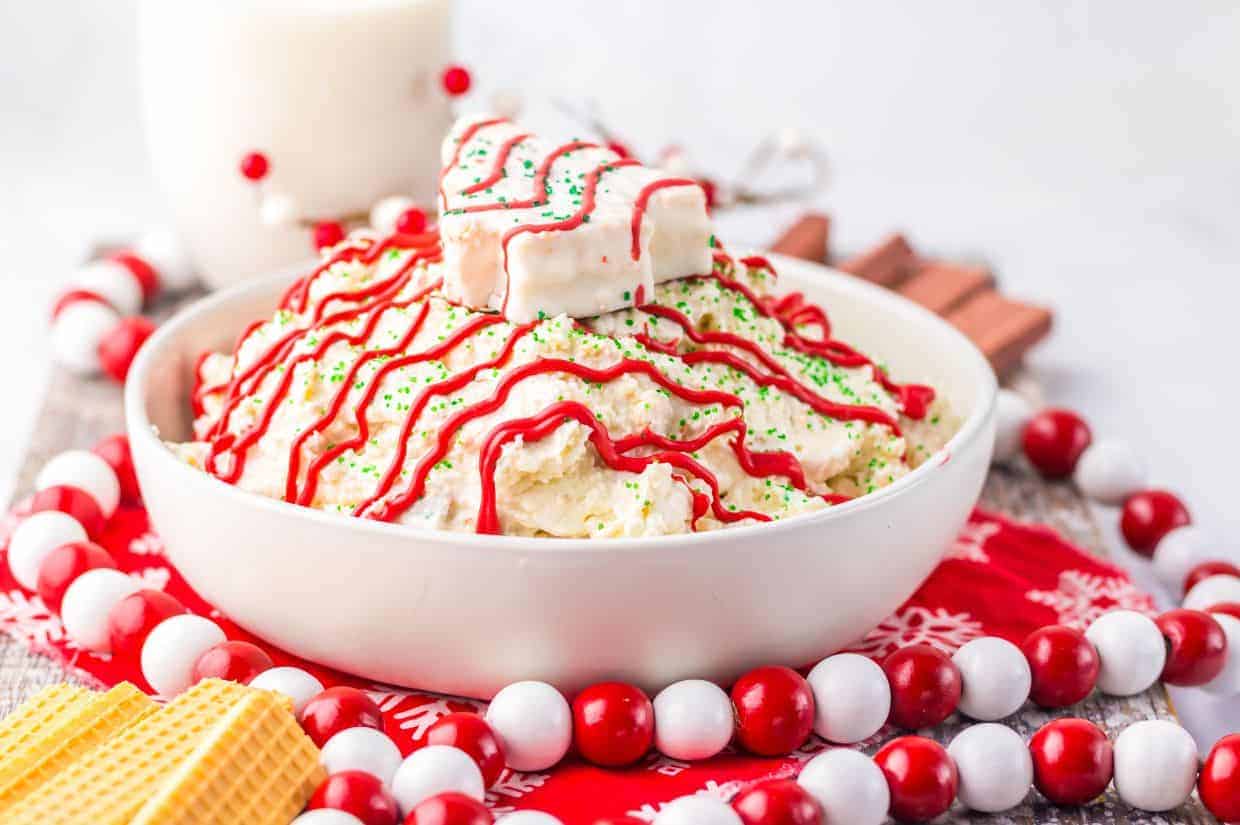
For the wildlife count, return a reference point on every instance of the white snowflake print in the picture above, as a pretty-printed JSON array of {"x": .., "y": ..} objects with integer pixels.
[
  {"x": 1082, "y": 597},
  {"x": 147, "y": 544},
  {"x": 970, "y": 545},
  {"x": 152, "y": 578},
  {"x": 919, "y": 625},
  {"x": 666, "y": 765},
  {"x": 513, "y": 785},
  {"x": 28, "y": 620}
]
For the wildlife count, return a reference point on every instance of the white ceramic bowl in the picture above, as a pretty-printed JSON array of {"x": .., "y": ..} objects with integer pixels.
[{"x": 467, "y": 614}]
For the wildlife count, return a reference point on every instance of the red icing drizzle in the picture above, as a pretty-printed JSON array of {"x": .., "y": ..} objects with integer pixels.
[
  {"x": 640, "y": 203},
  {"x": 792, "y": 311}
]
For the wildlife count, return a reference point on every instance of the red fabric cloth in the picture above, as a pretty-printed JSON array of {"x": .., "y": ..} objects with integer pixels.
[{"x": 999, "y": 578}]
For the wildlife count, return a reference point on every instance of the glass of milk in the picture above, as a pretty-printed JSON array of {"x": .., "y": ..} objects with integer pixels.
[{"x": 342, "y": 96}]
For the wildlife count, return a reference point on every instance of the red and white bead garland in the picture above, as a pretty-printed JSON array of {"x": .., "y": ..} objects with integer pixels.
[
  {"x": 95, "y": 322},
  {"x": 1155, "y": 524},
  {"x": 847, "y": 698}
]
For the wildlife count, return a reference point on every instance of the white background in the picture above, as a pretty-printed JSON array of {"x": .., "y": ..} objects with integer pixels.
[{"x": 1089, "y": 151}]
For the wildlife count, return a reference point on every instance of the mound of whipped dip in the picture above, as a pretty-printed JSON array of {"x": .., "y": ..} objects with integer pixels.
[{"x": 694, "y": 399}]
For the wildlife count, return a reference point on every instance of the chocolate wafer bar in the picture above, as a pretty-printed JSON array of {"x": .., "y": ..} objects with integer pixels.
[
  {"x": 808, "y": 238},
  {"x": 941, "y": 286},
  {"x": 888, "y": 264},
  {"x": 1001, "y": 328}
]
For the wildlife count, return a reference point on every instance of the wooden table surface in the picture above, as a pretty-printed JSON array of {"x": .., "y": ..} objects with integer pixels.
[{"x": 77, "y": 412}]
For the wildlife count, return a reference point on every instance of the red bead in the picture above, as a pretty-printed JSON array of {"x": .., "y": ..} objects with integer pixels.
[
  {"x": 1072, "y": 761},
  {"x": 255, "y": 166},
  {"x": 1230, "y": 608},
  {"x": 1054, "y": 440},
  {"x": 613, "y": 724},
  {"x": 1148, "y": 516},
  {"x": 121, "y": 343},
  {"x": 74, "y": 296},
  {"x": 358, "y": 793},
  {"x": 336, "y": 709},
  {"x": 1207, "y": 569},
  {"x": 133, "y": 618},
  {"x": 925, "y": 686},
  {"x": 774, "y": 710},
  {"x": 411, "y": 222},
  {"x": 61, "y": 567},
  {"x": 142, "y": 272},
  {"x": 73, "y": 501},
  {"x": 327, "y": 233},
  {"x": 471, "y": 733},
  {"x": 1219, "y": 783},
  {"x": 232, "y": 661},
  {"x": 921, "y": 777},
  {"x": 456, "y": 80},
  {"x": 1196, "y": 647},
  {"x": 1064, "y": 665},
  {"x": 449, "y": 809},
  {"x": 114, "y": 449},
  {"x": 777, "y": 802}
]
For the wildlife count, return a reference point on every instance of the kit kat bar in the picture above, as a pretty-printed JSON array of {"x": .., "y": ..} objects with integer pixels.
[
  {"x": 807, "y": 238},
  {"x": 1003, "y": 329},
  {"x": 887, "y": 264},
  {"x": 941, "y": 286}
]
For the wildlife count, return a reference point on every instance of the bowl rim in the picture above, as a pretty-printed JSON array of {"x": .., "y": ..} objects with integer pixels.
[{"x": 140, "y": 427}]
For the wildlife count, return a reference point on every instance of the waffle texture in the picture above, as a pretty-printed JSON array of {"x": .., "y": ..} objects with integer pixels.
[
  {"x": 56, "y": 728},
  {"x": 219, "y": 753}
]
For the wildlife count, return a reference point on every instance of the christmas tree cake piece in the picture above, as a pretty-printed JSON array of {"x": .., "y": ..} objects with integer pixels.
[
  {"x": 56, "y": 727},
  {"x": 538, "y": 229}
]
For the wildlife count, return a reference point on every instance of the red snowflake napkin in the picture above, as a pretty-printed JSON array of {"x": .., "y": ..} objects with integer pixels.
[{"x": 1000, "y": 578}]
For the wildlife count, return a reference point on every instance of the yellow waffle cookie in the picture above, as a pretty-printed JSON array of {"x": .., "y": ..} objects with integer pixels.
[
  {"x": 255, "y": 766},
  {"x": 56, "y": 728},
  {"x": 107, "y": 785}
]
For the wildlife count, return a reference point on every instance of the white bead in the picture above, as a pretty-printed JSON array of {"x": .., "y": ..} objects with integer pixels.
[
  {"x": 113, "y": 282},
  {"x": 1155, "y": 765},
  {"x": 34, "y": 538},
  {"x": 433, "y": 770},
  {"x": 277, "y": 209},
  {"x": 1181, "y": 550},
  {"x": 996, "y": 770},
  {"x": 76, "y": 334},
  {"x": 172, "y": 648},
  {"x": 161, "y": 247},
  {"x": 692, "y": 720},
  {"x": 1012, "y": 413},
  {"x": 362, "y": 749},
  {"x": 86, "y": 471},
  {"x": 293, "y": 682},
  {"x": 1109, "y": 471},
  {"x": 384, "y": 213},
  {"x": 1131, "y": 650},
  {"x": 851, "y": 698},
  {"x": 848, "y": 785},
  {"x": 89, "y": 599},
  {"x": 1227, "y": 683},
  {"x": 534, "y": 725},
  {"x": 996, "y": 678},
  {"x": 1212, "y": 590},
  {"x": 697, "y": 810},
  {"x": 326, "y": 816},
  {"x": 528, "y": 818}
]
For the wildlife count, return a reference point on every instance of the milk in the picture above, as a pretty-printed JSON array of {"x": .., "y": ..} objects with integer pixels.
[{"x": 341, "y": 95}]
